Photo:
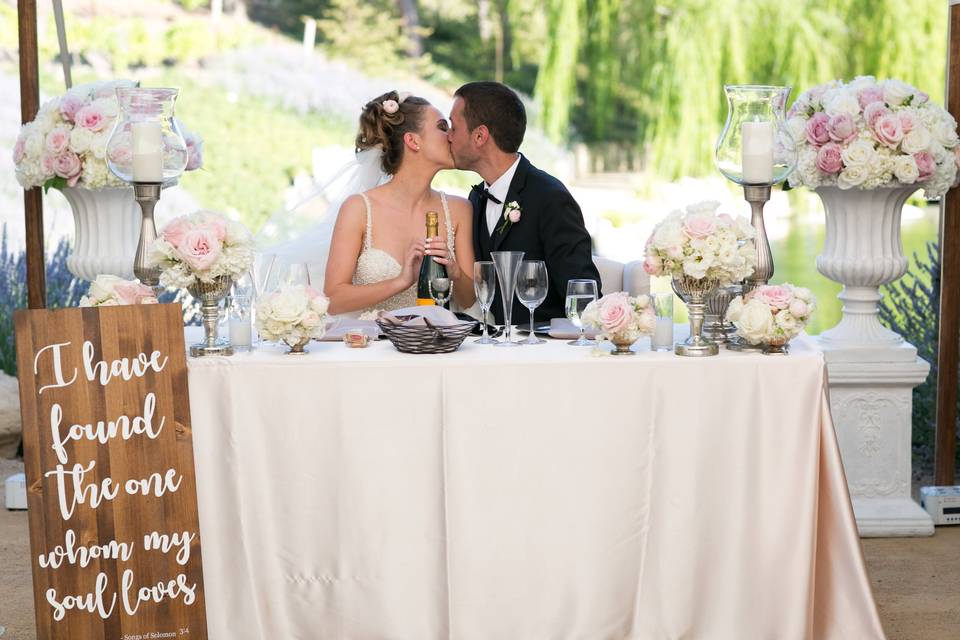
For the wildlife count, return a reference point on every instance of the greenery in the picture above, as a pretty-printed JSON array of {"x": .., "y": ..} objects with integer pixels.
[{"x": 912, "y": 309}]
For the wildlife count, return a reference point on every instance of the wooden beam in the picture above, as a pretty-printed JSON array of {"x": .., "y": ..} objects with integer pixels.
[
  {"x": 949, "y": 330},
  {"x": 32, "y": 198}
]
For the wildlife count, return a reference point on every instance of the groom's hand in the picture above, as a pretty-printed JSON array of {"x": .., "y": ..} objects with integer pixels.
[
  {"x": 437, "y": 249},
  {"x": 411, "y": 263}
]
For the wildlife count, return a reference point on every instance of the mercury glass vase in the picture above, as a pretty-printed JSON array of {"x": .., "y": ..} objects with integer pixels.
[
  {"x": 296, "y": 346},
  {"x": 715, "y": 327},
  {"x": 694, "y": 293},
  {"x": 210, "y": 294}
]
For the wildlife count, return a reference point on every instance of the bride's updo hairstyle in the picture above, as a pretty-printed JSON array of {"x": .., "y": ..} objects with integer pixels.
[{"x": 384, "y": 121}]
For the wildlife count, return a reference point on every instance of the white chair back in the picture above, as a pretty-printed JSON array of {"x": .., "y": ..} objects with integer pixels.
[{"x": 617, "y": 276}]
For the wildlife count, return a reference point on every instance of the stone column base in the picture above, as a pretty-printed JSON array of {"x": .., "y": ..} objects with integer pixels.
[{"x": 871, "y": 399}]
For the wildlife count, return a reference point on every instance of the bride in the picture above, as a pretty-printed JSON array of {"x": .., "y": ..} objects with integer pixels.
[{"x": 378, "y": 240}]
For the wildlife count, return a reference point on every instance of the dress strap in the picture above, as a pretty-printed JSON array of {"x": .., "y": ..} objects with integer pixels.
[
  {"x": 446, "y": 217},
  {"x": 368, "y": 236}
]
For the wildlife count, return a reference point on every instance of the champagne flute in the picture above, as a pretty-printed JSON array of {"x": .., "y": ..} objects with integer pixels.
[
  {"x": 485, "y": 286},
  {"x": 532, "y": 291},
  {"x": 580, "y": 293}
]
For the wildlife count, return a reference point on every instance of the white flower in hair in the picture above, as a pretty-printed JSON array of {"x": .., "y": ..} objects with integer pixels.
[{"x": 391, "y": 106}]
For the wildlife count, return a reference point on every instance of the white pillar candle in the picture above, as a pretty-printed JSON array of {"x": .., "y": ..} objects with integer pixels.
[
  {"x": 147, "y": 150},
  {"x": 240, "y": 332},
  {"x": 757, "y": 152},
  {"x": 663, "y": 334}
]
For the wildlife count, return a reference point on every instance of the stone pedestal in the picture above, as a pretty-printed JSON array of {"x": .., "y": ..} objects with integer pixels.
[{"x": 871, "y": 401}]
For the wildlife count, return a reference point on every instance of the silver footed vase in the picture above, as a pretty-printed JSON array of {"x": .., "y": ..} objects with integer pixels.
[
  {"x": 694, "y": 293},
  {"x": 210, "y": 294},
  {"x": 715, "y": 327}
]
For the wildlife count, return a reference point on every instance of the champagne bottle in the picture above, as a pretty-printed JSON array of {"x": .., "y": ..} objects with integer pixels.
[{"x": 430, "y": 269}]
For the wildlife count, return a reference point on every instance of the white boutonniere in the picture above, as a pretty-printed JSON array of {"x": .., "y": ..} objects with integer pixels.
[{"x": 511, "y": 215}]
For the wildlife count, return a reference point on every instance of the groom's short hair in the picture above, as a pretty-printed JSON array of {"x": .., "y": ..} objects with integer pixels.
[{"x": 496, "y": 106}]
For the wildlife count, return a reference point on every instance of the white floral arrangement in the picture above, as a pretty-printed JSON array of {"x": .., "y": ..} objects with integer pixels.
[
  {"x": 292, "y": 313},
  {"x": 620, "y": 317},
  {"x": 66, "y": 144},
  {"x": 108, "y": 291},
  {"x": 772, "y": 313},
  {"x": 201, "y": 246},
  {"x": 700, "y": 243},
  {"x": 868, "y": 134}
]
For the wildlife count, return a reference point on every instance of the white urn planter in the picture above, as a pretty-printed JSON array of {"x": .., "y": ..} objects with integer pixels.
[
  {"x": 107, "y": 228},
  {"x": 862, "y": 251},
  {"x": 872, "y": 370}
]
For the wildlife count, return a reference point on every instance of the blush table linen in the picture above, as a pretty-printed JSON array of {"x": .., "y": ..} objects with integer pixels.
[{"x": 539, "y": 493}]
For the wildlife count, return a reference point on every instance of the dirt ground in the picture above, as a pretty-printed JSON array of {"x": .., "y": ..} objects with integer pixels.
[{"x": 916, "y": 580}]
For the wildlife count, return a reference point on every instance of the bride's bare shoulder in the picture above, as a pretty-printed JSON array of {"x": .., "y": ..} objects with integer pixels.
[{"x": 353, "y": 210}]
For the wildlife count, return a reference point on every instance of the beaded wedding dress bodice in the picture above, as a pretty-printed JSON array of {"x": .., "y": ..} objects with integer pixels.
[{"x": 376, "y": 265}]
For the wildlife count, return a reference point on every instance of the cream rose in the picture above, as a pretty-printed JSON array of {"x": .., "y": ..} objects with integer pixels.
[
  {"x": 755, "y": 322},
  {"x": 905, "y": 169},
  {"x": 917, "y": 140}
]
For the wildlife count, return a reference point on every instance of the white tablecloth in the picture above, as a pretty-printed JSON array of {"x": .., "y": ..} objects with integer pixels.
[{"x": 536, "y": 493}]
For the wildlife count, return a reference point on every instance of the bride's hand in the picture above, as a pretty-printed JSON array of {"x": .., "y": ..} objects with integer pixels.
[
  {"x": 411, "y": 263},
  {"x": 437, "y": 249}
]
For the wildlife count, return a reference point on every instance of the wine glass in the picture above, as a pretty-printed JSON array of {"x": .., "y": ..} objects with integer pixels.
[
  {"x": 532, "y": 291},
  {"x": 580, "y": 293},
  {"x": 295, "y": 273},
  {"x": 485, "y": 286}
]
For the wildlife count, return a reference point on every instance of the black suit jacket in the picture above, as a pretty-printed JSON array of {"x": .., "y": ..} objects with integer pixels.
[{"x": 550, "y": 229}]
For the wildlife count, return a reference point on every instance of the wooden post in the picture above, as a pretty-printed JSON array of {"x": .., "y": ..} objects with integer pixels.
[
  {"x": 309, "y": 33},
  {"x": 949, "y": 338},
  {"x": 32, "y": 198}
]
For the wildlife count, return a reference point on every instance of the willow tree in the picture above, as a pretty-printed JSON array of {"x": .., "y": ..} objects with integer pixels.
[{"x": 556, "y": 79}]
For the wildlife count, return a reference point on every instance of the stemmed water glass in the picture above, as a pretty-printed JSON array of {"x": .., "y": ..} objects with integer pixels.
[
  {"x": 580, "y": 293},
  {"x": 532, "y": 291},
  {"x": 485, "y": 286}
]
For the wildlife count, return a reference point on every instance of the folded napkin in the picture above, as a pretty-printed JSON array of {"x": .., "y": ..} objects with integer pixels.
[
  {"x": 424, "y": 316},
  {"x": 563, "y": 329}
]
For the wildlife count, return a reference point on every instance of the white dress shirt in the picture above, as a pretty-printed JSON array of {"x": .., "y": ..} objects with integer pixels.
[{"x": 499, "y": 190}]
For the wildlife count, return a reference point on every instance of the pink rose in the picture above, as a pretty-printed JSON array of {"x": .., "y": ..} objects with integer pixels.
[
  {"x": 699, "y": 226},
  {"x": 828, "y": 158},
  {"x": 58, "y": 140},
  {"x": 615, "y": 313},
  {"x": 926, "y": 165},
  {"x": 873, "y": 112},
  {"x": 817, "y": 131},
  {"x": 514, "y": 215},
  {"x": 391, "y": 106},
  {"x": 91, "y": 117},
  {"x": 798, "y": 308},
  {"x": 652, "y": 264},
  {"x": 19, "y": 149},
  {"x": 134, "y": 293},
  {"x": 175, "y": 231},
  {"x": 121, "y": 154},
  {"x": 906, "y": 122},
  {"x": 842, "y": 128},
  {"x": 218, "y": 226},
  {"x": 200, "y": 248},
  {"x": 70, "y": 103},
  {"x": 774, "y": 295},
  {"x": 870, "y": 95},
  {"x": 47, "y": 164},
  {"x": 888, "y": 130},
  {"x": 67, "y": 165}
]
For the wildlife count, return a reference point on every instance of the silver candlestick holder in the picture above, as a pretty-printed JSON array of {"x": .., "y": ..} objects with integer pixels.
[
  {"x": 147, "y": 194},
  {"x": 757, "y": 196}
]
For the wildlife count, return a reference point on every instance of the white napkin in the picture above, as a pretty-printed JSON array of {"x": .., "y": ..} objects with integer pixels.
[{"x": 437, "y": 316}]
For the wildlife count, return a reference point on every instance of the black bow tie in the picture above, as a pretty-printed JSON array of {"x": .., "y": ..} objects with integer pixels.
[{"x": 486, "y": 195}]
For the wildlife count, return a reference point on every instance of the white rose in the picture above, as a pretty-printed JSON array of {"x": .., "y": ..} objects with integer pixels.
[
  {"x": 860, "y": 153},
  {"x": 916, "y": 141},
  {"x": 33, "y": 145},
  {"x": 320, "y": 304},
  {"x": 734, "y": 309},
  {"x": 288, "y": 304},
  {"x": 98, "y": 145},
  {"x": 852, "y": 176},
  {"x": 896, "y": 92},
  {"x": 80, "y": 139},
  {"x": 697, "y": 268},
  {"x": 102, "y": 287},
  {"x": 862, "y": 82},
  {"x": 755, "y": 323},
  {"x": 788, "y": 322},
  {"x": 797, "y": 128},
  {"x": 707, "y": 207},
  {"x": 108, "y": 107},
  {"x": 237, "y": 233},
  {"x": 843, "y": 103},
  {"x": 905, "y": 169},
  {"x": 668, "y": 233},
  {"x": 945, "y": 133}
]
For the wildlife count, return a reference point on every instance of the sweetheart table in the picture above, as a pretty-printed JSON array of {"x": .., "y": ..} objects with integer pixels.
[{"x": 537, "y": 493}]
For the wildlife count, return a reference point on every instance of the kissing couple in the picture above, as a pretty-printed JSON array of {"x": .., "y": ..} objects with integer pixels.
[{"x": 374, "y": 249}]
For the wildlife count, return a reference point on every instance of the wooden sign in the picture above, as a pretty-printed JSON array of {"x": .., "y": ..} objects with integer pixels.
[{"x": 114, "y": 534}]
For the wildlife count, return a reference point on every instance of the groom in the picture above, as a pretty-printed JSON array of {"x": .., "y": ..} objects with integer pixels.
[{"x": 487, "y": 123}]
